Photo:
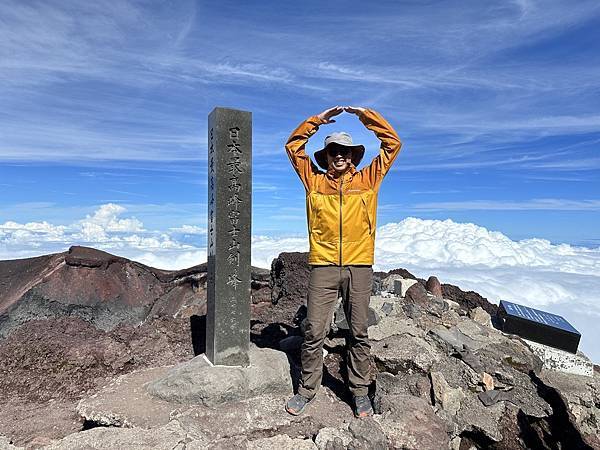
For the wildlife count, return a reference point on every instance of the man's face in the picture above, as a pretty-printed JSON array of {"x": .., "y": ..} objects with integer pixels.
[{"x": 339, "y": 158}]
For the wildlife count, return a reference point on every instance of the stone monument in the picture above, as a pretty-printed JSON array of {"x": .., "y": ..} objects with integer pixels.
[{"x": 229, "y": 235}]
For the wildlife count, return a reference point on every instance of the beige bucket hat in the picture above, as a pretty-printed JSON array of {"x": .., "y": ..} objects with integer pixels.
[{"x": 342, "y": 139}]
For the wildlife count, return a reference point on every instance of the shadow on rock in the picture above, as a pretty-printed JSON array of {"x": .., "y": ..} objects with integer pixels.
[{"x": 198, "y": 330}]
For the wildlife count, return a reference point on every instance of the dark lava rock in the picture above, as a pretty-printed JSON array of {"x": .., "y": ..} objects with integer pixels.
[
  {"x": 261, "y": 285},
  {"x": 468, "y": 300},
  {"x": 46, "y": 366},
  {"x": 403, "y": 273},
  {"x": 367, "y": 434},
  {"x": 289, "y": 277}
]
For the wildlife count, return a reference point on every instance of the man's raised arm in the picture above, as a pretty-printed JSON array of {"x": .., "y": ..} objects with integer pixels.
[
  {"x": 296, "y": 144},
  {"x": 390, "y": 144}
]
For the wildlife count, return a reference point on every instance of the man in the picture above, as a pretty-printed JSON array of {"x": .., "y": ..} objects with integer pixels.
[{"x": 341, "y": 208}]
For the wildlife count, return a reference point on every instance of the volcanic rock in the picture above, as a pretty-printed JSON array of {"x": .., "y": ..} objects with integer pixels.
[
  {"x": 367, "y": 433},
  {"x": 102, "y": 289},
  {"x": 445, "y": 396},
  {"x": 433, "y": 285},
  {"x": 403, "y": 273},
  {"x": 281, "y": 442},
  {"x": 166, "y": 437},
  {"x": 468, "y": 299},
  {"x": 481, "y": 316},
  {"x": 403, "y": 353},
  {"x": 199, "y": 382},
  {"x": 333, "y": 438},
  {"x": 429, "y": 366},
  {"x": 417, "y": 294},
  {"x": 289, "y": 277},
  {"x": 409, "y": 422}
]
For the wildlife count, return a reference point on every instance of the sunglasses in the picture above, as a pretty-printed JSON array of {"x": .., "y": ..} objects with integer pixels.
[{"x": 333, "y": 151}]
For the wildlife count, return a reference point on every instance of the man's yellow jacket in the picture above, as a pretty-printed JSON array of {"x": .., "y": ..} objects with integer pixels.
[{"x": 342, "y": 211}]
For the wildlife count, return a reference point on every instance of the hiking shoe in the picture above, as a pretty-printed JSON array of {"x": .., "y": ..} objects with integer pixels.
[
  {"x": 296, "y": 404},
  {"x": 362, "y": 406}
]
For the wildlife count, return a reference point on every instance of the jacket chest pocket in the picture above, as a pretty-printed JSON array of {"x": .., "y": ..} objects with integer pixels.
[
  {"x": 367, "y": 214},
  {"x": 357, "y": 224}
]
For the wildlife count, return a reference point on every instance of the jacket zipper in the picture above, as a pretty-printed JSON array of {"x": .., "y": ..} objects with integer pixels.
[{"x": 341, "y": 184}]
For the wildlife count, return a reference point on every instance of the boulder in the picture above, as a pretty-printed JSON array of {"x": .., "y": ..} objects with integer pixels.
[
  {"x": 6, "y": 444},
  {"x": 199, "y": 382},
  {"x": 452, "y": 304},
  {"x": 410, "y": 423},
  {"x": 333, "y": 438},
  {"x": 367, "y": 433},
  {"x": 415, "y": 384},
  {"x": 384, "y": 306},
  {"x": 481, "y": 316},
  {"x": 166, "y": 437},
  {"x": 417, "y": 294},
  {"x": 476, "y": 418},
  {"x": 576, "y": 397},
  {"x": 446, "y": 397},
  {"x": 433, "y": 285},
  {"x": 390, "y": 326},
  {"x": 403, "y": 353}
]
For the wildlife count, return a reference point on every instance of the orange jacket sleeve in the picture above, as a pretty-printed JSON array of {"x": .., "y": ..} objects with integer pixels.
[
  {"x": 390, "y": 147},
  {"x": 295, "y": 148}
]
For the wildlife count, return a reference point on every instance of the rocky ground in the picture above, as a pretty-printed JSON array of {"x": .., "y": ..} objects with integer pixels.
[{"x": 443, "y": 376}]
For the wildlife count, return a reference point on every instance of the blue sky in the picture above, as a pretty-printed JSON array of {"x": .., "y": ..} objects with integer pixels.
[
  {"x": 496, "y": 103},
  {"x": 497, "y": 189}
]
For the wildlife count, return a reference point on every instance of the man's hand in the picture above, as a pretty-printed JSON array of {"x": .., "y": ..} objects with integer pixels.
[
  {"x": 354, "y": 110},
  {"x": 326, "y": 115}
]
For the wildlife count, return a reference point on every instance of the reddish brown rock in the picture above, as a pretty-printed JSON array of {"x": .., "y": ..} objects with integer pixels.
[
  {"x": 103, "y": 289},
  {"x": 433, "y": 285},
  {"x": 417, "y": 294}
]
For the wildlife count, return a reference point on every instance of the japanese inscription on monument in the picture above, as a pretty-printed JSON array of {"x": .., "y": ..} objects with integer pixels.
[{"x": 229, "y": 234}]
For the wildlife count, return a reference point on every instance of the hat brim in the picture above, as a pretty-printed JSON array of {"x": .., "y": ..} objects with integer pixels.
[{"x": 358, "y": 151}]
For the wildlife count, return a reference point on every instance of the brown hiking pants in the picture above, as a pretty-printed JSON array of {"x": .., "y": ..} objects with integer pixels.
[{"x": 354, "y": 284}]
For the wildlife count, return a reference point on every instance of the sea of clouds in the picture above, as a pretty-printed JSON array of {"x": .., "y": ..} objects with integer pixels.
[{"x": 559, "y": 278}]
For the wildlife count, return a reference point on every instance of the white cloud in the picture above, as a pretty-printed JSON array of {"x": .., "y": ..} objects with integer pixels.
[
  {"x": 563, "y": 279},
  {"x": 559, "y": 278},
  {"x": 106, "y": 217},
  {"x": 189, "y": 229},
  {"x": 105, "y": 229},
  {"x": 168, "y": 259},
  {"x": 265, "y": 249},
  {"x": 549, "y": 204}
]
